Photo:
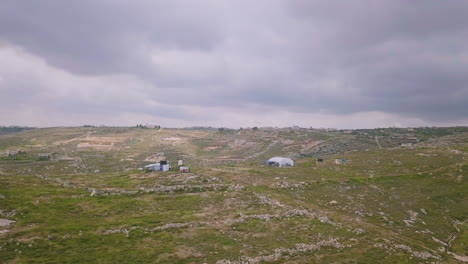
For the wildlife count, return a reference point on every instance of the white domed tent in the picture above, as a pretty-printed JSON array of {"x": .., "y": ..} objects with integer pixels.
[{"x": 282, "y": 162}]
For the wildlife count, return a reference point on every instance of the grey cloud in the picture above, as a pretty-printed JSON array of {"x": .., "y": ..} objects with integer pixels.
[
  {"x": 399, "y": 57},
  {"x": 96, "y": 37}
]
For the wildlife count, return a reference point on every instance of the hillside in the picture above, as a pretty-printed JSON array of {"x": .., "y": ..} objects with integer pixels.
[{"x": 400, "y": 197}]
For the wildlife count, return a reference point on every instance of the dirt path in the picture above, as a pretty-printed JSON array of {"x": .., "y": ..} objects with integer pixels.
[
  {"x": 150, "y": 134},
  {"x": 377, "y": 141},
  {"x": 60, "y": 142},
  {"x": 321, "y": 143},
  {"x": 452, "y": 238},
  {"x": 262, "y": 152}
]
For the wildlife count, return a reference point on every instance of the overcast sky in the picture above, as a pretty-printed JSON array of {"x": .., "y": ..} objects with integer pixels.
[{"x": 236, "y": 63}]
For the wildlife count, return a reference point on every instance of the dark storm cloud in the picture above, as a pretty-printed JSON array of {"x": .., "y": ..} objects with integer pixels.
[
  {"x": 391, "y": 56},
  {"x": 95, "y": 37},
  {"x": 407, "y": 58}
]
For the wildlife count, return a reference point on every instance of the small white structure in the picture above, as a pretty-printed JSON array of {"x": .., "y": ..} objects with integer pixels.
[
  {"x": 165, "y": 167},
  {"x": 280, "y": 161},
  {"x": 341, "y": 161},
  {"x": 157, "y": 167},
  {"x": 180, "y": 163},
  {"x": 153, "y": 167},
  {"x": 184, "y": 169}
]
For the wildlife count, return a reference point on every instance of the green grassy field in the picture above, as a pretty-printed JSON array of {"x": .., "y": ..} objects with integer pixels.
[{"x": 89, "y": 203}]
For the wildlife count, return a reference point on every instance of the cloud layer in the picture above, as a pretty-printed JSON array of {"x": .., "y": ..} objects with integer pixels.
[{"x": 234, "y": 63}]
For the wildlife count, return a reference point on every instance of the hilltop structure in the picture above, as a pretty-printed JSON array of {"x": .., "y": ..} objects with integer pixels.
[{"x": 280, "y": 162}]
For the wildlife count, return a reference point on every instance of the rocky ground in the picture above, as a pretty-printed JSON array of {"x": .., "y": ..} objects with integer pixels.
[{"x": 392, "y": 204}]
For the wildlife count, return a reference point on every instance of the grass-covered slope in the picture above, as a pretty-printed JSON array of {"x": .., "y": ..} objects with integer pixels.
[{"x": 89, "y": 203}]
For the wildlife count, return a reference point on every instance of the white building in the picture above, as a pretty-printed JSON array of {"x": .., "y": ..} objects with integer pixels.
[
  {"x": 157, "y": 167},
  {"x": 341, "y": 161},
  {"x": 280, "y": 161},
  {"x": 165, "y": 167},
  {"x": 153, "y": 167}
]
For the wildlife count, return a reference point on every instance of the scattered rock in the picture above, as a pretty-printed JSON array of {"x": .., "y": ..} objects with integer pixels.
[
  {"x": 236, "y": 188},
  {"x": 440, "y": 241},
  {"x": 266, "y": 200},
  {"x": 280, "y": 252},
  {"x": 6, "y": 222},
  {"x": 4, "y": 213},
  {"x": 408, "y": 223},
  {"x": 124, "y": 231},
  {"x": 243, "y": 217},
  {"x": 461, "y": 258},
  {"x": 390, "y": 247},
  {"x": 175, "y": 225},
  {"x": 95, "y": 192},
  {"x": 288, "y": 185}
]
